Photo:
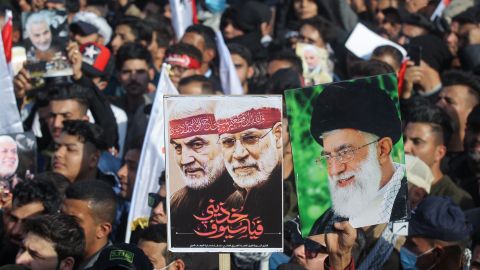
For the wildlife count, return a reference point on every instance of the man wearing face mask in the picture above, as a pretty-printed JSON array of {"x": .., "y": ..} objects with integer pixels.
[{"x": 438, "y": 236}]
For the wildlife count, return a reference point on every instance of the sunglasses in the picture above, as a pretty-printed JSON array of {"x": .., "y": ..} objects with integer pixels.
[
  {"x": 312, "y": 248},
  {"x": 154, "y": 199}
]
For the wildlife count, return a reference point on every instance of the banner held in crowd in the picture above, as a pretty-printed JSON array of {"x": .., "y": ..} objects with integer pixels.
[
  {"x": 224, "y": 173},
  {"x": 152, "y": 160}
]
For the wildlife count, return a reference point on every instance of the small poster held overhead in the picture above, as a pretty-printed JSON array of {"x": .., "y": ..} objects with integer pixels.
[
  {"x": 224, "y": 173},
  {"x": 45, "y": 39},
  {"x": 348, "y": 151}
]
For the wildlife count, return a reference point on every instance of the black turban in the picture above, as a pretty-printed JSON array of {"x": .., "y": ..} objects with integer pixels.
[{"x": 357, "y": 105}]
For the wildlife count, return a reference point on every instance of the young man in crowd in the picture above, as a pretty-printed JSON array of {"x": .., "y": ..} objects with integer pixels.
[
  {"x": 77, "y": 152},
  {"x": 185, "y": 60},
  {"x": 242, "y": 60},
  {"x": 53, "y": 241},
  {"x": 426, "y": 133},
  {"x": 29, "y": 199},
  {"x": 93, "y": 204}
]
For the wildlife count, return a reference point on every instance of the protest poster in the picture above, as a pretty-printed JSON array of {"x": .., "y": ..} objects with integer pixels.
[
  {"x": 17, "y": 158},
  {"x": 45, "y": 38},
  {"x": 317, "y": 67},
  {"x": 224, "y": 173},
  {"x": 335, "y": 164}
]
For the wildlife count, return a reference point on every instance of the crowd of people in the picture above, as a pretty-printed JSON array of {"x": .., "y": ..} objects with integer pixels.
[{"x": 90, "y": 126}]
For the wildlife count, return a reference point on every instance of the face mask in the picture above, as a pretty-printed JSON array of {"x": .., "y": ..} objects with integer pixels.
[{"x": 409, "y": 259}]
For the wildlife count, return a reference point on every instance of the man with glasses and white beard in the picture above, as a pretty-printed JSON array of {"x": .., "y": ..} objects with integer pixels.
[
  {"x": 251, "y": 139},
  {"x": 357, "y": 125},
  {"x": 200, "y": 161}
]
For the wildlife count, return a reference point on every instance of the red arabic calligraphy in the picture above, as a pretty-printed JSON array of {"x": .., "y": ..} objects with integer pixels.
[{"x": 219, "y": 222}]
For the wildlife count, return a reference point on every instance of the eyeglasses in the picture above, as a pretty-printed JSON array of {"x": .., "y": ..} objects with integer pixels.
[
  {"x": 343, "y": 156},
  {"x": 312, "y": 248},
  {"x": 176, "y": 70},
  {"x": 247, "y": 140},
  {"x": 154, "y": 199}
]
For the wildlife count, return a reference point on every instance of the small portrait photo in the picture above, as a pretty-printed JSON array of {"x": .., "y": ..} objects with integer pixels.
[
  {"x": 45, "y": 39},
  {"x": 317, "y": 67},
  {"x": 17, "y": 155}
]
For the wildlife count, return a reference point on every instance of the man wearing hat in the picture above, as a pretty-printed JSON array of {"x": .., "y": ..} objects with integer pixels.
[
  {"x": 438, "y": 235},
  {"x": 199, "y": 158},
  {"x": 357, "y": 125},
  {"x": 251, "y": 140}
]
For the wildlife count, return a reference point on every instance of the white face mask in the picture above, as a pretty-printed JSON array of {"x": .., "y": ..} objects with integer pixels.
[{"x": 165, "y": 267}]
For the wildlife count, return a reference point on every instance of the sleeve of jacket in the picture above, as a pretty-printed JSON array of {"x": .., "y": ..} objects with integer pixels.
[{"x": 102, "y": 112}]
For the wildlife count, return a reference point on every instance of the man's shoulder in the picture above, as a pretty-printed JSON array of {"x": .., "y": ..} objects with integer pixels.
[{"x": 446, "y": 187}]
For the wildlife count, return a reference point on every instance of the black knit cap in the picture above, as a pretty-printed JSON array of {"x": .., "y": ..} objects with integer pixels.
[{"x": 357, "y": 105}]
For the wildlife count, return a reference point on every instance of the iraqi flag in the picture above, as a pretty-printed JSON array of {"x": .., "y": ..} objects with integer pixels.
[
  {"x": 11, "y": 121},
  {"x": 184, "y": 14},
  {"x": 152, "y": 159}
]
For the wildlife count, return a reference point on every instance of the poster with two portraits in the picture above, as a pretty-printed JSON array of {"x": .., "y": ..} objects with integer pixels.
[{"x": 224, "y": 173}]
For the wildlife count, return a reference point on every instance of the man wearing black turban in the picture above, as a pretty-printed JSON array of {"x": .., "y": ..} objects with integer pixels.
[{"x": 357, "y": 125}]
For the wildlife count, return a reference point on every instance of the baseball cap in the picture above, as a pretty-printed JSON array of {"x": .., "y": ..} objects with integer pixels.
[
  {"x": 97, "y": 59},
  {"x": 122, "y": 256},
  {"x": 418, "y": 173},
  {"x": 87, "y": 23}
]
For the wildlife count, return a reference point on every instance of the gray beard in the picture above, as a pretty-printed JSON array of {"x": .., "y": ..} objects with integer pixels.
[
  {"x": 213, "y": 170},
  {"x": 353, "y": 199}
]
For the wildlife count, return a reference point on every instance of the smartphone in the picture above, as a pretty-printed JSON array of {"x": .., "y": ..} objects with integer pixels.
[{"x": 415, "y": 54}]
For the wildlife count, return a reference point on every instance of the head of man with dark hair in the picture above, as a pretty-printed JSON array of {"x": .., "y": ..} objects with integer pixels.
[
  {"x": 284, "y": 59},
  {"x": 134, "y": 72},
  {"x": 66, "y": 103},
  {"x": 202, "y": 37},
  {"x": 53, "y": 241},
  {"x": 30, "y": 198},
  {"x": 93, "y": 204},
  {"x": 153, "y": 242},
  {"x": 130, "y": 29},
  {"x": 389, "y": 23},
  {"x": 195, "y": 85},
  {"x": 58, "y": 180},
  {"x": 316, "y": 31},
  {"x": 185, "y": 60},
  {"x": 180, "y": 261},
  {"x": 426, "y": 134},
  {"x": 77, "y": 150},
  {"x": 162, "y": 37},
  {"x": 243, "y": 62},
  {"x": 460, "y": 94},
  {"x": 390, "y": 55}
]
